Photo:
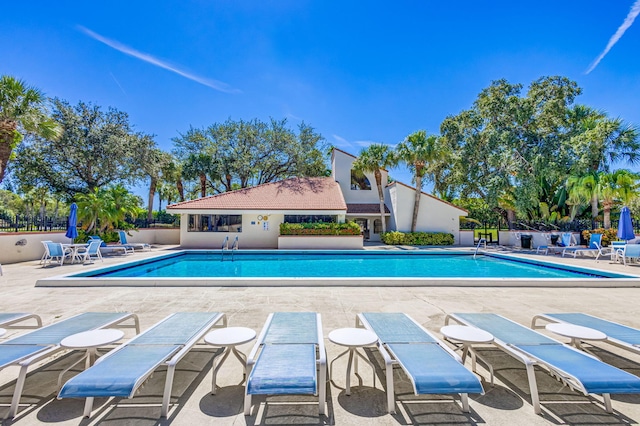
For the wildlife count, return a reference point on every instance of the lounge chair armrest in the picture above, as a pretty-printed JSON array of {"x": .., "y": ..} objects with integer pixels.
[
  {"x": 322, "y": 355},
  {"x": 259, "y": 341},
  {"x": 195, "y": 339}
]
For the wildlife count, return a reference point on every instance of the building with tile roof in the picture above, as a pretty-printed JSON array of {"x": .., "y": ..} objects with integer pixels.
[{"x": 254, "y": 214}]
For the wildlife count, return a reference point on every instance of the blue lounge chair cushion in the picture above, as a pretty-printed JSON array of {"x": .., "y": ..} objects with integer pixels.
[
  {"x": 595, "y": 375},
  {"x": 284, "y": 370},
  {"x": 178, "y": 329},
  {"x": 293, "y": 327},
  {"x": 505, "y": 330},
  {"x": 118, "y": 374},
  {"x": 10, "y": 354},
  {"x": 396, "y": 328},
  {"x": 615, "y": 331},
  {"x": 54, "y": 333},
  {"x": 433, "y": 370},
  {"x": 6, "y": 317}
]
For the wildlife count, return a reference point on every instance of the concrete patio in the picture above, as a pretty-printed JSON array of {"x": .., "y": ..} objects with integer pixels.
[{"x": 506, "y": 403}]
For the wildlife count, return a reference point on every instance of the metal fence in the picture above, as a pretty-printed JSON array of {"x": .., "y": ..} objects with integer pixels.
[{"x": 30, "y": 223}]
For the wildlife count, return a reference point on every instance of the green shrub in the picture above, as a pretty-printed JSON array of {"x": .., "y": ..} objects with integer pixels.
[
  {"x": 417, "y": 238},
  {"x": 608, "y": 235},
  {"x": 320, "y": 228}
]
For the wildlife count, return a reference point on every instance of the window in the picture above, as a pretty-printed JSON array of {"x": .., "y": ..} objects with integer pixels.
[
  {"x": 292, "y": 218},
  {"x": 377, "y": 226},
  {"x": 359, "y": 181},
  {"x": 215, "y": 223}
]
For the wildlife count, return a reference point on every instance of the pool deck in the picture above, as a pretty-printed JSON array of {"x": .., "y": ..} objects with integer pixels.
[{"x": 506, "y": 403}]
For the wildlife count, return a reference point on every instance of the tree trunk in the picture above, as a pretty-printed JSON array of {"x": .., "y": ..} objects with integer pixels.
[
  {"x": 607, "y": 216},
  {"x": 416, "y": 202},
  {"x": 180, "y": 187},
  {"x": 594, "y": 207},
  {"x": 203, "y": 185},
  {"x": 228, "y": 184},
  {"x": 152, "y": 194},
  {"x": 511, "y": 218},
  {"x": 378, "y": 176}
]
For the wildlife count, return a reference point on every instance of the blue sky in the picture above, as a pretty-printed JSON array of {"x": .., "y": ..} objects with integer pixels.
[{"x": 359, "y": 72}]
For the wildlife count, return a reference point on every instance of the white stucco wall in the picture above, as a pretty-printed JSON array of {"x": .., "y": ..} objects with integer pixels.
[
  {"x": 341, "y": 172},
  {"x": 253, "y": 235},
  {"x": 433, "y": 216}
]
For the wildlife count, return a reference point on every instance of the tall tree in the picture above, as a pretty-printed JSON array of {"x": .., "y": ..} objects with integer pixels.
[
  {"x": 22, "y": 110},
  {"x": 153, "y": 164},
  {"x": 370, "y": 160},
  {"x": 418, "y": 150},
  {"x": 96, "y": 149}
]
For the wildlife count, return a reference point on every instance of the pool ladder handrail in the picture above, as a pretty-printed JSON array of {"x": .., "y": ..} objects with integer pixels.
[
  {"x": 225, "y": 246},
  {"x": 480, "y": 241},
  {"x": 234, "y": 247}
]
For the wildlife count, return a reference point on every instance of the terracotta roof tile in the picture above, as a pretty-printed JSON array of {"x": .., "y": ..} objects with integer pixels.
[{"x": 316, "y": 193}]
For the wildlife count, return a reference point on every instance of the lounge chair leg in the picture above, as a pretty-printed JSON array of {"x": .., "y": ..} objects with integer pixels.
[
  {"x": 607, "y": 402},
  {"x": 15, "y": 401},
  {"x": 247, "y": 404},
  {"x": 390, "y": 391},
  {"x": 533, "y": 387},
  {"x": 166, "y": 397},
  {"x": 465, "y": 402},
  {"x": 88, "y": 407},
  {"x": 322, "y": 388}
]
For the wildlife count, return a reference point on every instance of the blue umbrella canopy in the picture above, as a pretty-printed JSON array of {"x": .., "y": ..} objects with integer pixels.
[
  {"x": 625, "y": 227},
  {"x": 72, "y": 228}
]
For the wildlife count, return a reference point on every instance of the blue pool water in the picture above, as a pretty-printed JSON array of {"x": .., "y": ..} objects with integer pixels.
[{"x": 344, "y": 264}]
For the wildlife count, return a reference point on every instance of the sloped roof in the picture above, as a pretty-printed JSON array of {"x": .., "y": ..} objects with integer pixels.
[
  {"x": 315, "y": 193},
  {"x": 365, "y": 209},
  {"x": 428, "y": 195}
]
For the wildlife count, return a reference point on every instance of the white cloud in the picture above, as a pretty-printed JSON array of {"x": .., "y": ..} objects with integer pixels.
[
  {"x": 214, "y": 84},
  {"x": 628, "y": 21},
  {"x": 341, "y": 141}
]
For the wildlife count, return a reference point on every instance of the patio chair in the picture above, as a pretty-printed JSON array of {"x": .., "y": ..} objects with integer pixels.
[
  {"x": 91, "y": 251},
  {"x": 55, "y": 251},
  {"x": 123, "y": 241},
  {"x": 46, "y": 250},
  {"x": 12, "y": 320},
  {"x": 287, "y": 359},
  {"x": 566, "y": 240},
  {"x": 618, "y": 335},
  {"x": 578, "y": 370},
  {"x": 630, "y": 252},
  {"x": 36, "y": 345},
  {"x": 432, "y": 367},
  {"x": 122, "y": 371},
  {"x": 594, "y": 247}
]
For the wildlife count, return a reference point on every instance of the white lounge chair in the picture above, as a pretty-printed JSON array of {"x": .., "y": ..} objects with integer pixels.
[
  {"x": 618, "y": 335},
  {"x": 123, "y": 241},
  {"x": 34, "y": 346},
  {"x": 566, "y": 240},
  {"x": 123, "y": 370},
  {"x": 287, "y": 359},
  {"x": 432, "y": 367},
  {"x": 578, "y": 370},
  {"x": 594, "y": 247}
]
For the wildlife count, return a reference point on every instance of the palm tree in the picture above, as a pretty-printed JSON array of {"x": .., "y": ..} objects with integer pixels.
[
  {"x": 198, "y": 166},
  {"x": 22, "y": 110},
  {"x": 584, "y": 189},
  {"x": 371, "y": 159},
  {"x": 621, "y": 185},
  {"x": 418, "y": 150}
]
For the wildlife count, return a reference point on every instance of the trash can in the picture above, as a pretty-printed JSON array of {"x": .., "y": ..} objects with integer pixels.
[
  {"x": 525, "y": 241},
  {"x": 554, "y": 239}
]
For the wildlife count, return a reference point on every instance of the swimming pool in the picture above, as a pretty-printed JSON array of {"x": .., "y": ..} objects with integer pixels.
[{"x": 281, "y": 264}]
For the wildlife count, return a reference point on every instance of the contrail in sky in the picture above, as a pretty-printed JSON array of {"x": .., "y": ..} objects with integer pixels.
[
  {"x": 635, "y": 10},
  {"x": 214, "y": 84}
]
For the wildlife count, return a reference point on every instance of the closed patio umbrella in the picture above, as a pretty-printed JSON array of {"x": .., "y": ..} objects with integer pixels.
[
  {"x": 625, "y": 227},
  {"x": 72, "y": 229}
]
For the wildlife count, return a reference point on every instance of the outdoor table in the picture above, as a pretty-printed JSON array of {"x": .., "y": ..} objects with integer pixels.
[
  {"x": 90, "y": 340},
  {"x": 576, "y": 333},
  {"x": 74, "y": 250},
  {"x": 229, "y": 338},
  {"x": 468, "y": 336},
  {"x": 352, "y": 338}
]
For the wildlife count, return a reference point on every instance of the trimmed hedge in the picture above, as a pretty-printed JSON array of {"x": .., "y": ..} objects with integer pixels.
[
  {"x": 417, "y": 238},
  {"x": 321, "y": 228}
]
